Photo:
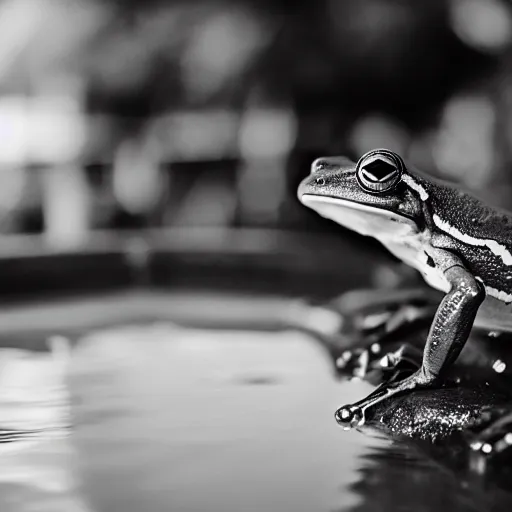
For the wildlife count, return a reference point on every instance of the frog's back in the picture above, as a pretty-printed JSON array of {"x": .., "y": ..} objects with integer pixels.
[{"x": 480, "y": 235}]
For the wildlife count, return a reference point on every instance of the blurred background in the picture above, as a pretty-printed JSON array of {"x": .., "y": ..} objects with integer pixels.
[
  {"x": 192, "y": 122},
  {"x": 159, "y": 144}
]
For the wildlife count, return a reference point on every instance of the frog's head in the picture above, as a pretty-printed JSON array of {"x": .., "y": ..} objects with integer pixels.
[{"x": 371, "y": 197}]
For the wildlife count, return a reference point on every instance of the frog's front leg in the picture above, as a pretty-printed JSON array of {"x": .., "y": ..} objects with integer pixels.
[{"x": 448, "y": 333}]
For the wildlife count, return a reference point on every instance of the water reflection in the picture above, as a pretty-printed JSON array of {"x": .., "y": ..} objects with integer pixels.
[
  {"x": 174, "y": 418},
  {"x": 192, "y": 420},
  {"x": 396, "y": 478},
  {"x": 37, "y": 472}
]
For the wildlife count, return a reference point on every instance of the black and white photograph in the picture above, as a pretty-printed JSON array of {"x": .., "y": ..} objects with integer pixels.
[{"x": 255, "y": 256}]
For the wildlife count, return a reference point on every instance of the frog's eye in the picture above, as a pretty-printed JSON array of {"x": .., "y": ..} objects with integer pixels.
[{"x": 379, "y": 171}]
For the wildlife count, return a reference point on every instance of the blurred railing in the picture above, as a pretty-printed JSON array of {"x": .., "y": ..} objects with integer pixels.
[{"x": 213, "y": 168}]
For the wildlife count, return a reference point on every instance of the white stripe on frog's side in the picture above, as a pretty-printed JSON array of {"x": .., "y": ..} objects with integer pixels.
[
  {"x": 495, "y": 247},
  {"x": 409, "y": 181}
]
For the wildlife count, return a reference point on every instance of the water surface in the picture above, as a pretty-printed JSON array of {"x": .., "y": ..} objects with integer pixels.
[
  {"x": 193, "y": 420},
  {"x": 170, "y": 418}
]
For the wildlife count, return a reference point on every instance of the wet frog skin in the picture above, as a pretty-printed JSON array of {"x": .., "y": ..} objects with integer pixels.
[{"x": 460, "y": 245}]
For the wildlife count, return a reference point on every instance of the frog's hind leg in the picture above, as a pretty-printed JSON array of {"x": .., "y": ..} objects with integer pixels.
[{"x": 448, "y": 334}]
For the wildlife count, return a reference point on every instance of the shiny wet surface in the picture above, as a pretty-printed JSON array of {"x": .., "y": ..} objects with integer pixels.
[
  {"x": 192, "y": 420},
  {"x": 172, "y": 418}
]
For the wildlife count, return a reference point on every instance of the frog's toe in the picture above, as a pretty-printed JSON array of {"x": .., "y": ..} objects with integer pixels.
[{"x": 349, "y": 416}]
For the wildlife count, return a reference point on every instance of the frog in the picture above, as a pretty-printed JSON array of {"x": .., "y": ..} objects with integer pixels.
[{"x": 460, "y": 245}]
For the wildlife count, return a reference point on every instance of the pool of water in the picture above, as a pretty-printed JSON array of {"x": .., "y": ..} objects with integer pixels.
[{"x": 150, "y": 415}]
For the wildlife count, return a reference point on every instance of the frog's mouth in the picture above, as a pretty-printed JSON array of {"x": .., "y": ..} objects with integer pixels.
[{"x": 364, "y": 219}]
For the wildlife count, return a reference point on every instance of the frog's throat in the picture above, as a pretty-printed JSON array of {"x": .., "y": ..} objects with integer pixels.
[{"x": 362, "y": 218}]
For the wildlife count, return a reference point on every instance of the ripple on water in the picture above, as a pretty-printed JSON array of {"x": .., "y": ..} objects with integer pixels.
[{"x": 37, "y": 469}]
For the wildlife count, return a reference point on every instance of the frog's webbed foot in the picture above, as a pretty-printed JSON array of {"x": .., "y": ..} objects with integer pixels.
[{"x": 355, "y": 415}]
